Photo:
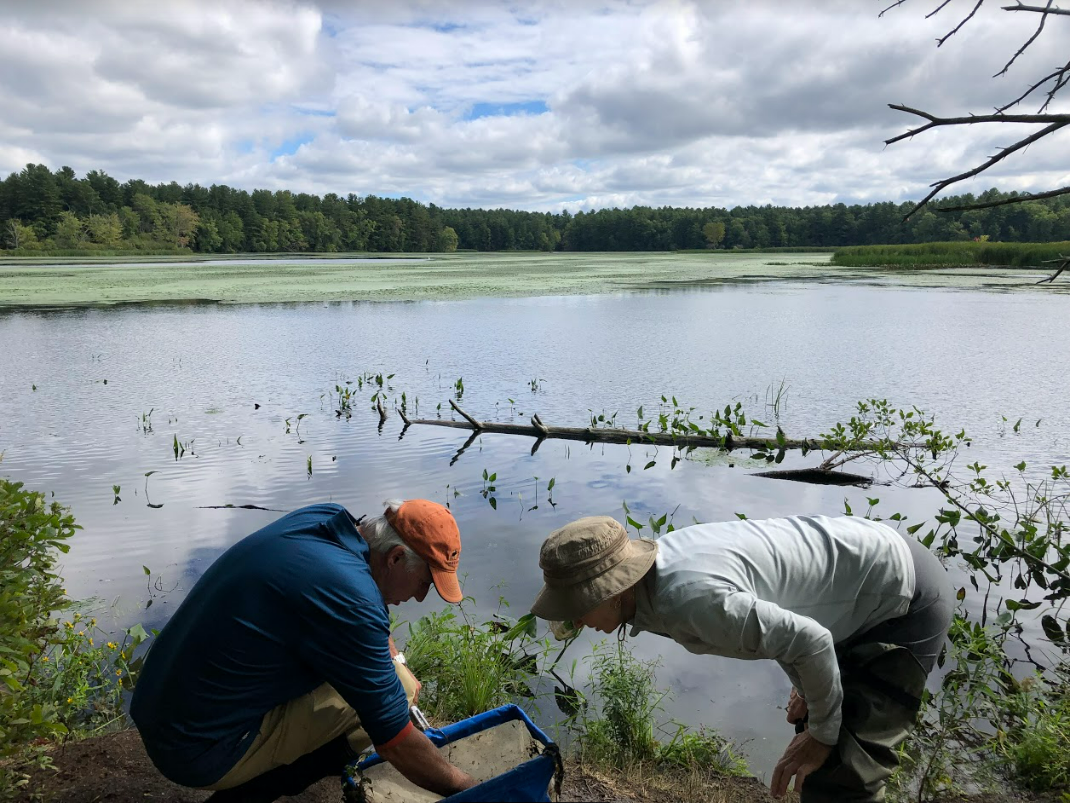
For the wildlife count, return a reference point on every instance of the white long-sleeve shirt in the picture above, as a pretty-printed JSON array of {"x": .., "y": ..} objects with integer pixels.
[{"x": 786, "y": 589}]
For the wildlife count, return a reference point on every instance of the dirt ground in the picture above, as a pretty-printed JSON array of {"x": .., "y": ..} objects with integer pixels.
[{"x": 115, "y": 769}]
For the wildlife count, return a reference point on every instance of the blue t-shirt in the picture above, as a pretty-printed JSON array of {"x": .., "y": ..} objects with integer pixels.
[{"x": 283, "y": 611}]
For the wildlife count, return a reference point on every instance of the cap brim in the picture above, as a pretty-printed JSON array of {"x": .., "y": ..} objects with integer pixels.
[
  {"x": 573, "y": 602},
  {"x": 447, "y": 586}
]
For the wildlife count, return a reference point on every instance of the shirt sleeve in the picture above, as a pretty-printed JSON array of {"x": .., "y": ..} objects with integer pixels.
[
  {"x": 347, "y": 643},
  {"x": 747, "y": 627}
]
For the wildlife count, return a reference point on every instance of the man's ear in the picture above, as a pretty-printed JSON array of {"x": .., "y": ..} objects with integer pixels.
[{"x": 395, "y": 555}]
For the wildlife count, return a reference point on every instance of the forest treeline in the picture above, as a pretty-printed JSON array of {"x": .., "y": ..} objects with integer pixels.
[{"x": 42, "y": 210}]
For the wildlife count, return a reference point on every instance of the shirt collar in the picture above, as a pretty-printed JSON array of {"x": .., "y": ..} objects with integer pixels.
[
  {"x": 344, "y": 527},
  {"x": 645, "y": 618}
]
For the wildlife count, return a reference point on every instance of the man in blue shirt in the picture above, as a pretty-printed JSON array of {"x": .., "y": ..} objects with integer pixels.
[{"x": 278, "y": 668}]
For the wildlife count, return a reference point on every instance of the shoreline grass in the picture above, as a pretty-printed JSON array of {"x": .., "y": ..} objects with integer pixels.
[{"x": 966, "y": 254}]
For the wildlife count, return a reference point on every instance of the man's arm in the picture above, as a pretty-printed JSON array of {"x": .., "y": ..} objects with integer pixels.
[
  {"x": 747, "y": 627},
  {"x": 414, "y": 756}
]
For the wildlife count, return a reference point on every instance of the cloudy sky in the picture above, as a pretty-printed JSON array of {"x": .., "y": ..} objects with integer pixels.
[{"x": 540, "y": 106}]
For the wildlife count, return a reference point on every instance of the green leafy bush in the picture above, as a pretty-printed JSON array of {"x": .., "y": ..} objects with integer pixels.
[
  {"x": 59, "y": 673},
  {"x": 469, "y": 668},
  {"x": 32, "y": 532}
]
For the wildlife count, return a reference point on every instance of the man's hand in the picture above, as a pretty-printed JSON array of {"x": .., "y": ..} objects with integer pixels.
[
  {"x": 796, "y": 708},
  {"x": 417, "y": 759},
  {"x": 804, "y": 755}
]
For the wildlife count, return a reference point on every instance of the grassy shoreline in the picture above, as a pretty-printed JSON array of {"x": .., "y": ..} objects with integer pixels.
[{"x": 955, "y": 254}]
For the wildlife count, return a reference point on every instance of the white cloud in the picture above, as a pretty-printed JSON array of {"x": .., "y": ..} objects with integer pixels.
[{"x": 615, "y": 103}]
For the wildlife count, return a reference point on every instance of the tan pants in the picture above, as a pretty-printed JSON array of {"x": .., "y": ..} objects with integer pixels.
[{"x": 300, "y": 726}]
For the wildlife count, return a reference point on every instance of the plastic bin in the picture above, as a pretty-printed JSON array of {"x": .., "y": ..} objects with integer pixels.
[{"x": 528, "y": 781}]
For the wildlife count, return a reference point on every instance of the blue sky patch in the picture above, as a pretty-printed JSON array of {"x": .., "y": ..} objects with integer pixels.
[
  {"x": 315, "y": 112},
  {"x": 444, "y": 27},
  {"x": 290, "y": 146},
  {"x": 506, "y": 109}
]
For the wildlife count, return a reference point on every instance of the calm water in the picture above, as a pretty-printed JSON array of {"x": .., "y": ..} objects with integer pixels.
[{"x": 966, "y": 354}]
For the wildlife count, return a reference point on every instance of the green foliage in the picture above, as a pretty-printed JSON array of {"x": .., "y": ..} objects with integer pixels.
[
  {"x": 622, "y": 735},
  {"x": 704, "y": 749},
  {"x": 57, "y": 678},
  {"x": 1038, "y": 746},
  {"x": 957, "y": 254},
  {"x": 1008, "y": 531},
  {"x": 221, "y": 219},
  {"x": 32, "y": 532},
  {"x": 447, "y": 239},
  {"x": 468, "y": 668},
  {"x": 623, "y": 732}
]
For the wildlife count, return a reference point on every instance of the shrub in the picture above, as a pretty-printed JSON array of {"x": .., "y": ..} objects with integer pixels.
[
  {"x": 58, "y": 672},
  {"x": 1038, "y": 749},
  {"x": 471, "y": 668}
]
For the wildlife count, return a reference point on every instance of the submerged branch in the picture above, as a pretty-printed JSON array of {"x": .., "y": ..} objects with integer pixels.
[
  {"x": 1064, "y": 264},
  {"x": 537, "y": 429}
]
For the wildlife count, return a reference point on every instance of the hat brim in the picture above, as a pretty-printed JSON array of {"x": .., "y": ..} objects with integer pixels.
[
  {"x": 447, "y": 586},
  {"x": 569, "y": 603}
]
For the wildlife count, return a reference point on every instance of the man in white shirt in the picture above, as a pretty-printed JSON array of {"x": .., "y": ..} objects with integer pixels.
[{"x": 854, "y": 612}]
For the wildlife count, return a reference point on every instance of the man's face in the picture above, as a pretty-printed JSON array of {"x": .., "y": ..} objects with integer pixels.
[
  {"x": 400, "y": 583},
  {"x": 606, "y": 618}
]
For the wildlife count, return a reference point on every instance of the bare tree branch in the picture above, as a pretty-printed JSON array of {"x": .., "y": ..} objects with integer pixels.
[
  {"x": 896, "y": 4},
  {"x": 1060, "y": 76},
  {"x": 938, "y": 9},
  {"x": 947, "y": 36},
  {"x": 934, "y": 121},
  {"x": 1043, "y": 18},
  {"x": 1018, "y": 199},
  {"x": 943, "y": 184},
  {"x": 1065, "y": 264},
  {"x": 1038, "y": 9},
  {"x": 1055, "y": 82}
]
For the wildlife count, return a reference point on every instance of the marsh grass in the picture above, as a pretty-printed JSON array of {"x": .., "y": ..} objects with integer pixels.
[
  {"x": 968, "y": 253},
  {"x": 621, "y": 736}
]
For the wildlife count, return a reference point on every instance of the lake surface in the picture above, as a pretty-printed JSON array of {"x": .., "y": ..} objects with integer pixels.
[{"x": 967, "y": 353}]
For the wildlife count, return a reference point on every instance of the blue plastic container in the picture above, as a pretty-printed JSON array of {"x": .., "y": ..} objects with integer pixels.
[{"x": 526, "y": 782}]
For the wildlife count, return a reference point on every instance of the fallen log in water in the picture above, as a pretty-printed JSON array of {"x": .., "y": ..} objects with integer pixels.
[
  {"x": 541, "y": 431},
  {"x": 820, "y": 476}
]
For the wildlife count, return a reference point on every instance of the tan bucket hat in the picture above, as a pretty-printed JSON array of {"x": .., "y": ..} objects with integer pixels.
[{"x": 585, "y": 563}]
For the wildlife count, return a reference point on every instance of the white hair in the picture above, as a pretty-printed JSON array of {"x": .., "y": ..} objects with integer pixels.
[{"x": 381, "y": 537}]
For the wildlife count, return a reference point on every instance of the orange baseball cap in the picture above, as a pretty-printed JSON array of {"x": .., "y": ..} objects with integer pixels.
[{"x": 430, "y": 530}]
